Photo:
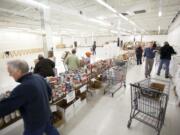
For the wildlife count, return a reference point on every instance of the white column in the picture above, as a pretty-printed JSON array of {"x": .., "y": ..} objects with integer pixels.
[{"x": 47, "y": 31}]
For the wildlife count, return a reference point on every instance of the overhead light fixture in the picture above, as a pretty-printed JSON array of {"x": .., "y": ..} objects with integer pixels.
[
  {"x": 113, "y": 31},
  {"x": 131, "y": 22},
  {"x": 100, "y": 22},
  {"x": 122, "y": 16},
  {"x": 106, "y": 5},
  {"x": 34, "y": 3},
  {"x": 160, "y": 8},
  {"x": 160, "y": 13},
  {"x": 101, "y": 17}
]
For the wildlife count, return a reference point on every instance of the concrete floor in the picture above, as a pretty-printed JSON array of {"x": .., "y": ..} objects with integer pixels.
[{"x": 104, "y": 115}]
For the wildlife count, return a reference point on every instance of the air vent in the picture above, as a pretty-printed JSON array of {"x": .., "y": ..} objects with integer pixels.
[
  {"x": 140, "y": 11},
  {"x": 124, "y": 14}
]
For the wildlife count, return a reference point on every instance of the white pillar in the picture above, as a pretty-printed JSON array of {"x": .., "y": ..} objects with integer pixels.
[{"x": 47, "y": 31}]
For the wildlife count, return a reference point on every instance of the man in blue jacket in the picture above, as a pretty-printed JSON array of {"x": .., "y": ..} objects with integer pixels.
[
  {"x": 149, "y": 53},
  {"x": 31, "y": 97}
]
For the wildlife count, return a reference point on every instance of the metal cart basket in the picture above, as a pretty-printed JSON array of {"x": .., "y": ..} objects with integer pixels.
[
  {"x": 116, "y": 77},
  {"x": 149, "y": 102}
]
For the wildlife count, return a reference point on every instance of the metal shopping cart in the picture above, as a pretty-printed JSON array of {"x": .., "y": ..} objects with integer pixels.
[
  {"x": 149, "y": 102},
  {"x": 116, "y": 77}
]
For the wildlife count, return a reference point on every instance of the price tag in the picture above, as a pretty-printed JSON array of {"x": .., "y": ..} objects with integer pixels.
[
  {"x": 83, "y": 89},
  {"x": 53, "y": 108},
  {"x": 70, "y": 96}
]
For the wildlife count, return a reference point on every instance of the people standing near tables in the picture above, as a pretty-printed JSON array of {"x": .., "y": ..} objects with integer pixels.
[
  {"x": 31, "y": 97},
  {"x": 165, "y": 57},
  {"x": 139, "y": 52},
  {"x": 94, "y": 48},
  {"x": 149, "y": 54},
  {"x": 44, "y": 67},
  {"x": 72, "y": 61}
]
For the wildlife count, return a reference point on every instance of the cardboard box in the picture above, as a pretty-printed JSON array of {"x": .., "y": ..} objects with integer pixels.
[
  {"x": 66, "y": 109},
  {"x": 77, "y": 105},
  {"x": 157, "y": 86}
]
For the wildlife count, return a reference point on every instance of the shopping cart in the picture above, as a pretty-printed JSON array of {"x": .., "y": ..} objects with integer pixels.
[
  {"x": 149, "y": 102},
  {"x": 116, "y": 77}
]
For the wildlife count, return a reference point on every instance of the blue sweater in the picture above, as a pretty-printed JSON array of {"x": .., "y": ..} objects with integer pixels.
[
  {"x": 31, "y": 97},
  {"x": 149, "y": 53}
]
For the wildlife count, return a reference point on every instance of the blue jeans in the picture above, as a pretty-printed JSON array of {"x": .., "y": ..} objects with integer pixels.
[
  {"x": 166, "y": 62},
  {"x": 48, "y": 129}
]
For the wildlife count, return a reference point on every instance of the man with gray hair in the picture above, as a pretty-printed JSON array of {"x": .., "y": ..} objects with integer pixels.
[{"x": 31, "y": 97}]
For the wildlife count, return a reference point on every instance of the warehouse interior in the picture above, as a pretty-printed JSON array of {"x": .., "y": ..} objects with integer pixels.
[{"x": 32, "y": 27}]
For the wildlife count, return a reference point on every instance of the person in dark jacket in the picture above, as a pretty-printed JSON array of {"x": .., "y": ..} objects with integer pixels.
[
  {"x": 139, "y": 52},
  {"x": 31, "y": 97},
  {"x": 44, "y": 67},
  {"x": 165, "y": 57},
  {"x": 94, "y": 48}
]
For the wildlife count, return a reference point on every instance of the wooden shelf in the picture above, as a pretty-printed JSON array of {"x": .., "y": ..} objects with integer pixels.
[{"x": 10, "y": 122}]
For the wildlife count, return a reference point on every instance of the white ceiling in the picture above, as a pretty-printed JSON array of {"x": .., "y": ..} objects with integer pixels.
[{"x": 65, "y": 15}]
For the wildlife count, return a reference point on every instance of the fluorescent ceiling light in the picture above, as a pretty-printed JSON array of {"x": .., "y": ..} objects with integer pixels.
[
  {"x": 122, "y": 16},
  {"x": 131, "y": 22},
  {"x": 106, "y": 5},
  {"x": 34, "y": 3},
  {"x": 101, "y": 17},
  {"x": 160, "y": 13},
  {"x": 100, "y": 22},
  {"x": 113, "y": 31},
  {"x": 130, "y": 13}
]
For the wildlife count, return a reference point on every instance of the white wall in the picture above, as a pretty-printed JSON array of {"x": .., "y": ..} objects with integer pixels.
[
  {"x": 83, "y": 41},
  {"x": 19, "y": 40},
  {"x": 174, "y": 34},
  {"x": 146, "y": 38},
  {"x": 16, "y": 41}
]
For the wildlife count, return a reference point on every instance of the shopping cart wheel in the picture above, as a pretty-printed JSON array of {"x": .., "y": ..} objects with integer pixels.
[{"x": 129, "y": 123}]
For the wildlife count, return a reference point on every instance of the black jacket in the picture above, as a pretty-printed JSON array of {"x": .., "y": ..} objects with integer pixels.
[
  {"x": 31, "y": 97},
  {"x": 139, "y": 52},
  {"x": 166, "y": 51},
  {"x": 45, "y": 67}
]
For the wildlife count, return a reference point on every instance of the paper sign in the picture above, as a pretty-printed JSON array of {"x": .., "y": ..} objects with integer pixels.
[
  {"x": 83, "y": 89},
  {"x": 53, "y": 108},
  {"x": 70, "y": 96}
]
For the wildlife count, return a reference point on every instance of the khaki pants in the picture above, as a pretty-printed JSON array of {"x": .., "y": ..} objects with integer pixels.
[{"x": 148, "y": 66}]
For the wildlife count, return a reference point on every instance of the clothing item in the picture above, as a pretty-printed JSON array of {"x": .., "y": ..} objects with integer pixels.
[
  {"x": 45, "y": 67},
  {"x": 148, "y": 66},
  {"x": 165, "y": 62},
  {"x": 72, "y": 62},
  {"x": 139, "y": 52},
  {"x": 139, "y": 61},
  {"x": 46, "y": 128},
  {"x": 149, "y": 53},
  {"x": 31, "y": 98},
  {"x": 166, "y": 51}
]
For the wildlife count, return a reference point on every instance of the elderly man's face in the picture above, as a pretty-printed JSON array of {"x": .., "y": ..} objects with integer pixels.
[{"x": 15, "y": 73}]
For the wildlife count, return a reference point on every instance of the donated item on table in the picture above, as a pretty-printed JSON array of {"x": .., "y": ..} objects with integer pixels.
[
  {"x": 8, "y": 119},
  {"x": 68, "y": 85},
  {"x": 60, "y": 46},
  {"x": 95, "y": 84},
  {"x": 149, "y": 100},
  {"x": 57, "y": 118},
  {"x": 125, "y": 56}
]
